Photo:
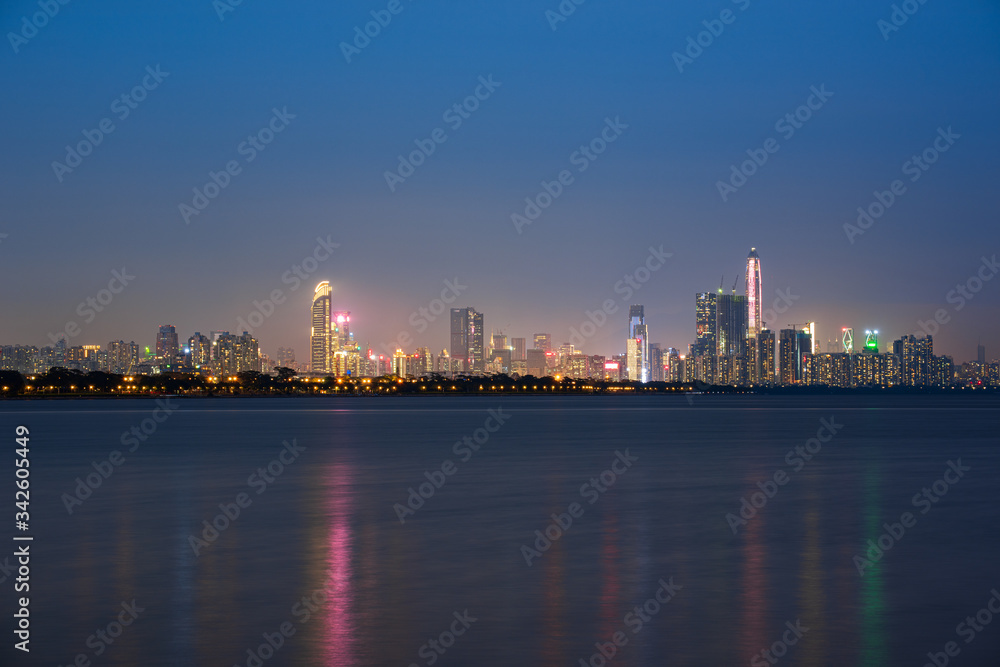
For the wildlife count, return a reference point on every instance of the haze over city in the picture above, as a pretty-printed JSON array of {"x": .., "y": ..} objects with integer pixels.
[{"x": 344, "y": 125}]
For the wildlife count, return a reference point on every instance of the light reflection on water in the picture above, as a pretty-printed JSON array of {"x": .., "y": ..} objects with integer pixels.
[{"x": 327, "y": 525}]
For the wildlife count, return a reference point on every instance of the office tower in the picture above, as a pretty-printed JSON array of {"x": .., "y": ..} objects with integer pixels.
[
  {"x": 320, "y": 332},
  {"x": 848, "y": 340},
  {"x": 498, "y": 341},
  {"x": 536, "y": 362},
  {"x": 765, "y": 357},
  {"x": 543, "y": 342},
  {"x": 703, "y": 350},
  {"x": 166, "y": 343},
  {"x": 634, "y": 361},
  {"x": 657, "y": 361},
  {"x": 340, "y": 331},
  {"x": 517, "y": 344},
  {"x": 199, "y": 350},
  {"x": 810, "y": 330},
  {"x": 871, "y": 342},
  {"x": 731, "y": 338},
  {"x": 637, "y": 331},
  {"x": 754, "y": 320},
  {"x": 467, "y": 339},
  {"x": 981, "y": 354},
  {"x": 673, "y": 371},
  {"x": 286, "y": 357}
]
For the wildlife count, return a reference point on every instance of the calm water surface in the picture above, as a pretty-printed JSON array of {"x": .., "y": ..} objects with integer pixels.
[{"x": 321, "y": 549}]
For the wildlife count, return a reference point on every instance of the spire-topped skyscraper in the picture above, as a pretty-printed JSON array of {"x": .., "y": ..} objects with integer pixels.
[{"x": 754, "y": 323}]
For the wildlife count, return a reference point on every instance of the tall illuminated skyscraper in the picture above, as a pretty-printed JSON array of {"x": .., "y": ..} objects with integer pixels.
[
  {"x": 754, "y": 323},
  {"x": 637, "y": 331},
  {"x": 543, "y": 342},
  {"x": 319, "y": 338}
]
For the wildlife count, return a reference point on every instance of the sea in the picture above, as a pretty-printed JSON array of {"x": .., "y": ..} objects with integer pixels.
[{"x": 556, "y": 531}]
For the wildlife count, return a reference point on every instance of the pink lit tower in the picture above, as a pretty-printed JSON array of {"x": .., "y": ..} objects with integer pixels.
[{"x": 754, "y": 323}]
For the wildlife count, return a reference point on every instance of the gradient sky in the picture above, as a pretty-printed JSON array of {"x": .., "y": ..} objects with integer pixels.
[{"x": 656, "y": 185}]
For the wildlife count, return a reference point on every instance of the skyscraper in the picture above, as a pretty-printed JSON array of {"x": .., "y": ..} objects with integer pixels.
[
  {"x": 765, "y": 357},
  {"x": 731, "y": 338},
  {"x": 633, "y": 359},
  {"x": 981, "y": 354},
  {"x": 518, "y": 348},
  {"x": 703, "y": 349},
  {"x": 340, "y": 331},
  {"x": 754, "y": 323},
  {"x": 637, "y": 331},
  {"x": 543, "y": 342},
  {"x": 319, "y": 338},
  {"x": 166, "y": 342},
  {"x": 787, "y": 352},
  {"x": 467, "y": 339}
]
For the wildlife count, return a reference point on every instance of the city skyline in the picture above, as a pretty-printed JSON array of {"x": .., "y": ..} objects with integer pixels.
[{"x": 422, "y": 320}]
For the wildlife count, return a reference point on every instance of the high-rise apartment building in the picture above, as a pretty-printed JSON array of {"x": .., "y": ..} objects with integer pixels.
[
  {"x": 166, "y": 342},
  {"x": 518, "y": 349}
]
